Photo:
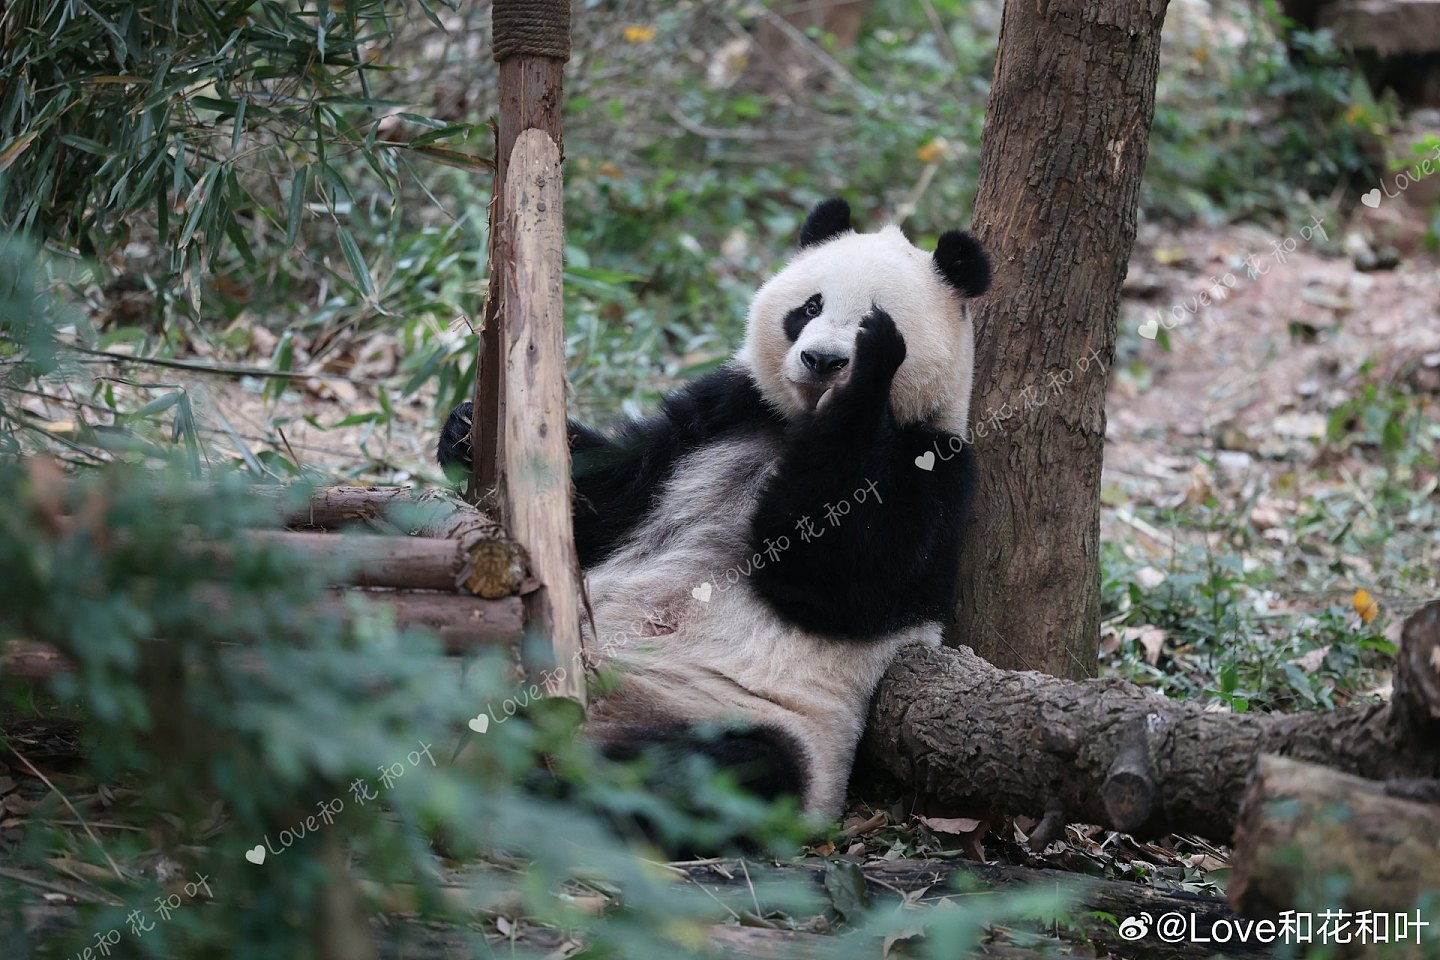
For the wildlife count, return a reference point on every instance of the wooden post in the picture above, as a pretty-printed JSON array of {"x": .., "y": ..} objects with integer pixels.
[{"x": 519, "y": 434}]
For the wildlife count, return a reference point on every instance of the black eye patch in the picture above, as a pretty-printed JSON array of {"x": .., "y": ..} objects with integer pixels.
[{"x": 796, "y": 319}]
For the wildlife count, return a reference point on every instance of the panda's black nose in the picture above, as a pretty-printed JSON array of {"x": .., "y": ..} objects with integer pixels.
[{"x": 823, "y": 365}]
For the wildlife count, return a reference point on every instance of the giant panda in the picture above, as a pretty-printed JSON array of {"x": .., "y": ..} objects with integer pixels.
[{"x": 758, "y": 550}]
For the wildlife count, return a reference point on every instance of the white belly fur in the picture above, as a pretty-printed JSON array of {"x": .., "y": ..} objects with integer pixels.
[{"x": 728, "y": 657}]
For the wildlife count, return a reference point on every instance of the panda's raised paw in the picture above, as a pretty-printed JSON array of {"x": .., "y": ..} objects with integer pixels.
[
  {"x": 879, "y": 350},
  {"x": 453, "y": 451}
]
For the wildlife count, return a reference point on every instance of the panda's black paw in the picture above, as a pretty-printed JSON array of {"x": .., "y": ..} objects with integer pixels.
[
  {"x": 454, "y": 449},
  {"x": 879, "y": 351}
]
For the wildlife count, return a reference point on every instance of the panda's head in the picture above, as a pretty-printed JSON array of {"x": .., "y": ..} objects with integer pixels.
[{"x": 800, "y": 334}]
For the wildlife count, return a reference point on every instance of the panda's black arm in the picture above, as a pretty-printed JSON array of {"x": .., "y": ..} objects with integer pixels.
[
  {"x": 871, "y": 537},
  {"x": 454, "y": 454},
  {"x": 618, "y": 478},
  {"x": 856, "y": 568}
]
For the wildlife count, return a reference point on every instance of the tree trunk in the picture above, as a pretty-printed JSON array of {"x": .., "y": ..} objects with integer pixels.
[
  {"x": 1312, "y": 839},
  {"x": 951, "y": 728},
  {"x": 1062, "y": 156}
]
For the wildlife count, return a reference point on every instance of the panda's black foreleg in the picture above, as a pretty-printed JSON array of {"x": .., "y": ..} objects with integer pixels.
[
  {"x": 618, "y": 477},
  {"x": 870, "y": 528},
  {"x": 454, "y": 451}
]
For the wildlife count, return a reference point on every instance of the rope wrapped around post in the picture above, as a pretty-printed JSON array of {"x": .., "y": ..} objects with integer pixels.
[{"x": 531, "y": 28}]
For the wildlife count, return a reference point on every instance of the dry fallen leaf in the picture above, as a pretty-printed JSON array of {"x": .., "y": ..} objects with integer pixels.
[
  {"x": 1153, "y": 639},
  {"x": 956, "y": 825},
  {"x": 908, "y": 933},
  {"x": 1313, "y": 660}
]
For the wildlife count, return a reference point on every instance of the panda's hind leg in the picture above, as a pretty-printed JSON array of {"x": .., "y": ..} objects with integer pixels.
[{"x": 763, "y": 761}]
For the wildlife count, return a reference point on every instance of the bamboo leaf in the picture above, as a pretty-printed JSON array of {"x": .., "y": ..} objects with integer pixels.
[
  {"x": 298, "y": 185},
  {"x": 361, "y": 272}
]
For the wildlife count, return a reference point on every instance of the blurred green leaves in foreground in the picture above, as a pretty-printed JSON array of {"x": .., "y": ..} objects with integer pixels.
[{"x": 248, "y": 765}]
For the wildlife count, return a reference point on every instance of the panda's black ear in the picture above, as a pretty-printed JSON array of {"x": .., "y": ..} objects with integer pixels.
[
  {"x": 963, "y": 263},
  {"x": 827, "y": 220}
]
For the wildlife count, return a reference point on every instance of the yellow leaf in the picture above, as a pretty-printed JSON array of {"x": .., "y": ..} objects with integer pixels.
[
  {"x": 1365, "y": 605},
  {"x": 14, "y": 148},
  {"x": 638, "y": 34},
  {"x": 933, "y": 151}
]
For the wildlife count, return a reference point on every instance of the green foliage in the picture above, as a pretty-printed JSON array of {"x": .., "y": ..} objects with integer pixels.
[
  {"x": 688, "y": 178},
  {"x": 213, "y": 138},
  {"x": 1426, "y": 150},
  {"x": 1246, "y": 133},
  {"x": 1233, "y": 630},
  {"x": 220, "y": 715}
]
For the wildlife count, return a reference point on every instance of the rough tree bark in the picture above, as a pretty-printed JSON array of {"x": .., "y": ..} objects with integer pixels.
[
  {"x": 957, "y": 731},
  {"x": 1062, "y": 156},
  {"x": 1308, "y": 835}
]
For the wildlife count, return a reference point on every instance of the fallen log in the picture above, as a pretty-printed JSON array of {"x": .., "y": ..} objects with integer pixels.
[
  {"x": 492, "y": 563},
  {"x": 481, "y": 567},
  {"x": 951, "y": 728},
  {"x": 331, "y": 508},
  {"x": 463, "y": 624},
  {"x": 478, "y": 557},
  {"x": 1417, "y": 673},
  {"x": 31, "y": 660},
  {"x": 1096, "y": 906},
  {"x": 1312, "y": 839}
]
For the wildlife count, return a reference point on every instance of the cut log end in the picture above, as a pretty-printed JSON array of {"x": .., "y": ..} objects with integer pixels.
[
  {"x": 1417, "y": 672},
  {"x": 1308, "y": 835},
  {"x": 495, "y": 570}
]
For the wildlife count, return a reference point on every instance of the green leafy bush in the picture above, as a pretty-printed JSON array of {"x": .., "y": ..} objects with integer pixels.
[{"x": 1249, "y": 132}]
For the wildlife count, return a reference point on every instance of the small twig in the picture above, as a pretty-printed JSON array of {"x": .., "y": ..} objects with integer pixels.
[
  {"x": 294, "y": 457},
  {"x": 887, "y": 885},
  {"x": 802, "y": 42},
  {"x": 722, "y": 903},
  {"x": 942, "y": 36},
  {"x": 735, "y": 133},
  {"x": 20, "y": 876},
  {"x": 1050, "y": 828},
  {"x": 912, "y": 202},
  {"x": 225, "y": 370},
  {"x": 753, "y": 899},
  {"x": 66, "y": 800},
  {"x": 879, "y": 819},
  {"x": 1150, "y": 532}
]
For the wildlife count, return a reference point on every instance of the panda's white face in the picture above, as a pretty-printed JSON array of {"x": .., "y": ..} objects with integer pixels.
[{"x": 800, "y": 334}]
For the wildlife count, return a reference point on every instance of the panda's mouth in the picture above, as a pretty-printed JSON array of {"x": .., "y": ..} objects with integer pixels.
[{"x": 814, "y": 396}]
